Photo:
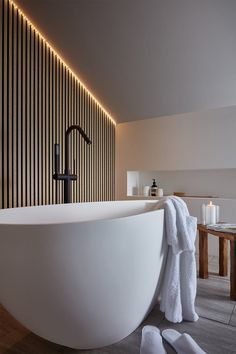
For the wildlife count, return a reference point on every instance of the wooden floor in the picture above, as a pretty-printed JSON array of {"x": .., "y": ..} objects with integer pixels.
[{"x": 215, "y": 331}]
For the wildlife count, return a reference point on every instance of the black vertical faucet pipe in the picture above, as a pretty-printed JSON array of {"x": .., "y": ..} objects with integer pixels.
[
  {"x": 68, "y": 132},
  {"x": 57, "y": 158},
  {"x": 67, "y": 177}
]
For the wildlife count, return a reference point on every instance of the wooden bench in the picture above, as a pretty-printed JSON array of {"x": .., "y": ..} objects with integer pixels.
[{"x": 224, "y": 237}]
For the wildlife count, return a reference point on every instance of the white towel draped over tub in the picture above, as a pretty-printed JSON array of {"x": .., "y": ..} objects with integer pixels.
[{"x": 180, "y": 278}]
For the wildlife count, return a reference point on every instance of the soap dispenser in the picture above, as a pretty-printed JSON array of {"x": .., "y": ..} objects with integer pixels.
[{"x": 153, "y": 188}]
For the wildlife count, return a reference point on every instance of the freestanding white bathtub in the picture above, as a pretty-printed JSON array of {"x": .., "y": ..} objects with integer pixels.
[{"x": 81, "y": 275}]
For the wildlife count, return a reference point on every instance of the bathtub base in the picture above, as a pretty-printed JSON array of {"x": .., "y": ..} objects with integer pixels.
[{"x": 83, "y": 285}]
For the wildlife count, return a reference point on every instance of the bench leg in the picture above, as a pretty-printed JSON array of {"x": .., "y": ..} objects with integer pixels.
[
  {"x": 233, "y": 270},
  {"x": 223, "y": 257},
  {"x": 203, "y": 254}
]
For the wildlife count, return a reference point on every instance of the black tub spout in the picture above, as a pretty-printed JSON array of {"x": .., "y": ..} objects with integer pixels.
[{"x": 67, "y": 177}]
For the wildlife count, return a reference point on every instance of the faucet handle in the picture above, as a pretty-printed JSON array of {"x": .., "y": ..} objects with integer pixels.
[{"x": 57, "y": 158}]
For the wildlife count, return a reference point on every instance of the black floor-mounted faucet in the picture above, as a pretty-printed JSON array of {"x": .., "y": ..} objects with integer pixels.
[{"x": 67, "y": 177}]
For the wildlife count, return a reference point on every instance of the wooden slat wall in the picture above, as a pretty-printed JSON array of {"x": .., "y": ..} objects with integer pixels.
[{"x": 39, "y": 99}]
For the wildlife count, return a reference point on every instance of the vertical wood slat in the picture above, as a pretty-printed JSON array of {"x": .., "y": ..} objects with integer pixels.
[
  {"x": 1, "y": 98},
  {"x": 14, "y": 122},
  {"x": 23, "y": 114},
  {"x": 19, "y": 109},
  {"x": 102, "y": 158},
  {"x": 50, "y": 130},
  {"x": 67, "y": 119},
  {"x": 73, "y": 144},
  {"x": 55, "y": 116},
  {"x": 59, "y": 119},
  {"x": 47, "y": 128},
  {"x": 100, "y": 155},
  {"x": 64, "y": 124},
  {"x": 61, "y": 127},
  {"x": 4, "y": 103},
  {"x": 75, "y": 148},
  {"x": 39, "y": 161},
  {"x": 28, "y": 122},
  {"x": 97, "y": 153},
  {"x": 81, "y": 120},
  {"x": 108, "y": 161},
  {"x": 80, "y": 143},
  {"x": 83, "y": 158},
  {"x": 32, "y": 121},
  {"x": 89, "y": 152},
  {"x": 85, "y": 148},
  {"x": 43, "y": 156},
  {"x": 105, "y": 158},
  {"x": 111, "y": 159},
  {"x": 54, "y": 121},
  {"x": 36, "y": 117},
  {"x": 39, "y": 99},
  {"x": 94, "y": 154},
  {"x": 10, "y": 111}
]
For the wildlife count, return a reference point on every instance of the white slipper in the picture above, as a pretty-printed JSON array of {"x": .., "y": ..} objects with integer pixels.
[
  {"x": 182, "y": 343},
  {"x": 151, "y": 342}
]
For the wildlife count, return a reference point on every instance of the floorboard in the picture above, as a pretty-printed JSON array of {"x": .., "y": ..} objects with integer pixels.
[{"x": 215, "y": 331}]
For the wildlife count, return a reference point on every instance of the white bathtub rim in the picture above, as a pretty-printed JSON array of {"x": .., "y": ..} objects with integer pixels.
[
  {"x": 65, "y": 222},
  {"x": 81, "y": 222}
]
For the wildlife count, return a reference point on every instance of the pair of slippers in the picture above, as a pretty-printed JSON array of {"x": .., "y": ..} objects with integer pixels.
[{"x": 151, "y": 342}]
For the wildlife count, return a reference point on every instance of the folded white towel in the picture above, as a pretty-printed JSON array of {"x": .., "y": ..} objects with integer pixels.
[
  {"x": 151, "y": 342},
  {"x": 182, "y": 343},
  {"x": 180, "y": 278}
]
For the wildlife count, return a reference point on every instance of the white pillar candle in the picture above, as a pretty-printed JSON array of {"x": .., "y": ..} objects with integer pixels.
[
  {"x": 203, "y": 214},
  {"x": 146, "y": 190},
  {"x": 217, "y": 213},
  {"x": 208, "y": 217},
  {"x": 160, "y": 192},
  {"x": 210, "y": 214}
]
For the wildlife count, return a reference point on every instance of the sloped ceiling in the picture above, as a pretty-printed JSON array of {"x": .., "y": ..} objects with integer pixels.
[{"x": 146, "y": 58}]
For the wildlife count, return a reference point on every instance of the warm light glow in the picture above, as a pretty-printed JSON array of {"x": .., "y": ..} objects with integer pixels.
[
  {"x": 60, "y": 59},
  {"x": 210, "y": 203}
]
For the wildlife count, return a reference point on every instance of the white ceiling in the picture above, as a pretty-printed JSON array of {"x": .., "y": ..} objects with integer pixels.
[{"x": 146, "y": 58}]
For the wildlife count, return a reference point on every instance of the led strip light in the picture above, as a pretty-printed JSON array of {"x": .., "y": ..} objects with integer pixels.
[{"x": 60, "y": 59}]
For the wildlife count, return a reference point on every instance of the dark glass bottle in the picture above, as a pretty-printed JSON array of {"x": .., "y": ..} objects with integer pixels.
[{"x": 154, "y": 188}]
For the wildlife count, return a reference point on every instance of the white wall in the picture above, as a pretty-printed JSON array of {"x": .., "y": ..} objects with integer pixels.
[
  {"x": 214, "y": 183},
  {"x": 203, "y": 141},
  {"x": 192, "y": 141}
]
